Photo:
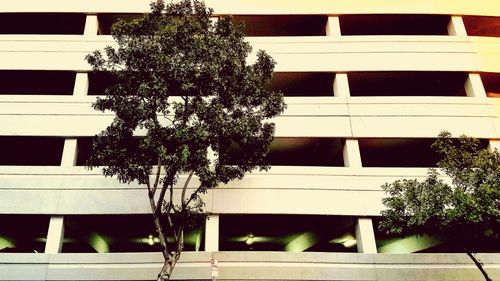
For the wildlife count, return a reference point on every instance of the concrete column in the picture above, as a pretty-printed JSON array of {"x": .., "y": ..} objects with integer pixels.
[
  {"x": 69, "y": 152},
  {"x": 352, "y": 156},
  {"x": 333, "y": 26},
  {"x": 474, "y": 86},
  {"x": 456, "y": 26},
  {"x": 55, "y": 235},
  {"x": 494, "y": 144},
  {"x": 82, "y": 79},
  {"x": 341, "y": 85},
  {"x": 365, "y": 238},
  {"x": 212, "y": 233},
  {"x": 81, "y": 84},
  {"x": 91, "y": 25}
]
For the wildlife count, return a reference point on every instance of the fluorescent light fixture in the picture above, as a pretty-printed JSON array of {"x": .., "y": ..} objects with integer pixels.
[
  {"x": 250, "y": 239},
  {"x": 349, "y": 243}
]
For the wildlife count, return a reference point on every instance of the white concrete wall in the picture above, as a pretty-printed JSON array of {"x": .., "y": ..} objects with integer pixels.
[{"x": 351, "y": 191}]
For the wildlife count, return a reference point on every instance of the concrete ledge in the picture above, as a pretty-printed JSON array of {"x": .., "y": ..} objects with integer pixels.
[
  {"x": 248, "y": 266},
  {"x": 309, "y": 190},
  {"x": 429, "y": 106},
  {"x": 242, "y": 7},
  {"x": 299, "y": 53},
  {"x": 318, "y": 117}
]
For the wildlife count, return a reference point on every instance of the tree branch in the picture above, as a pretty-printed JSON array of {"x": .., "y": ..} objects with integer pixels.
[
  {"x": 159, "y": 229},
  {"x": 157, "y": 179},
  {"x": 161, "y": 235},
  {"x": 164, "y": 188},
  {"x": 478, "y": 264},
  {"x": 180, "y": 240},
  {"x": 171, "y": 199},
  {"x": 171, "y": 225},
  {"x": 192, "y": 195},
  {"x": 184, "y": 188},
  {"x": 150, "y": 193}
]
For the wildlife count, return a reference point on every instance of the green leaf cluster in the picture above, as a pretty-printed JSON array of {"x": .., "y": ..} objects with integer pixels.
[
  {"x": 184, "y": 81},
  {"x": 467, "y": 207}
]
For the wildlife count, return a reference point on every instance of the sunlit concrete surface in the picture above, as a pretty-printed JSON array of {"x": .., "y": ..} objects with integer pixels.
[{"x": 361, "y": 78}]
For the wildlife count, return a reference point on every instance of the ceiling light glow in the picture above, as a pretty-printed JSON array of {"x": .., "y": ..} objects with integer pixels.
[
  {"x": 250, "y": 239},
  {"x": 349, "y": 243}
]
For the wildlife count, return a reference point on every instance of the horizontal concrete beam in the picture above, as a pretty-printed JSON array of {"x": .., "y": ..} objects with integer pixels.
[
  {"x": 317, "y": 53},
  {"x": 248, "y": 265},
  {"x": 320, "y": 7},
  {"x": 286, "y": 126},
  {"x": 411, "y": 126},
  {"x": 309, "y": 190},
  {"x": 296, "y": 106},
  {"x": 317, "y": 116}
]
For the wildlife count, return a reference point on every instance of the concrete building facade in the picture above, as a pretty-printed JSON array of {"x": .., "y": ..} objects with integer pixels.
[{"x": 369, "y": 85}]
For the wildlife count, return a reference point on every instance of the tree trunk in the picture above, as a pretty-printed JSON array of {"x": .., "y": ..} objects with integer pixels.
[
  {"x": 168, "y": 267},
  {"x": 465, "y": 248},
  {"x": 479, "y": 266}
]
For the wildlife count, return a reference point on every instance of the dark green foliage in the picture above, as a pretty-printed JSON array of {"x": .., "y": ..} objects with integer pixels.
[
  {"x": 415, "y": 206},
  {"x": 468, "y": 206},
  {"x": 183, "y": 81},
  {"x": 462, "y": 211},
  {"x": 219, "y": 99}
]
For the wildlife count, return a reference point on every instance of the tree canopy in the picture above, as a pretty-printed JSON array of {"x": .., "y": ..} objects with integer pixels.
[
  {"x": 182, "y": 83},
  {"x": 466, "y": 208}
]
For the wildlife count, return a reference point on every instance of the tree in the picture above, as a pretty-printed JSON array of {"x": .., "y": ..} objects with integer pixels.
[
  {"x": 468, "y": 207},
  {"x": 183, "y": 81}
]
